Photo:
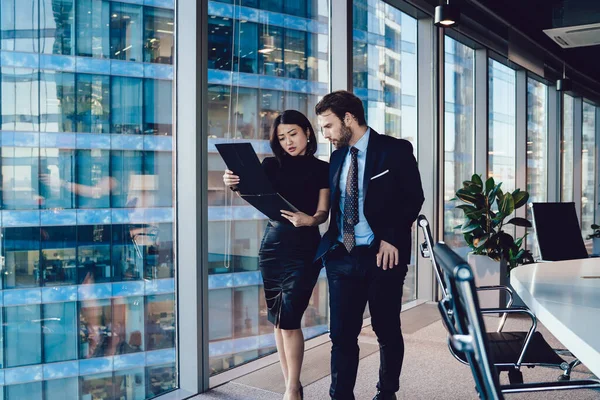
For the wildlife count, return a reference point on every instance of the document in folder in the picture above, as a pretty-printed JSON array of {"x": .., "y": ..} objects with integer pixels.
[{"x": 254, "y": 186}]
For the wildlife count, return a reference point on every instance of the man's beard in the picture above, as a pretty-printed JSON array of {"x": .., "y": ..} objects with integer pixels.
[{"x": 345, "y": 136}]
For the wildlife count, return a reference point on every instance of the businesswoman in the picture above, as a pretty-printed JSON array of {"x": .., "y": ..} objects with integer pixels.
[{"x": 288, "y": 248}]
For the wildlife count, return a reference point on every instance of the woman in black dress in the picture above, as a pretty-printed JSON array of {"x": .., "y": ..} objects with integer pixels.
[{"x": 288, "y": 248}]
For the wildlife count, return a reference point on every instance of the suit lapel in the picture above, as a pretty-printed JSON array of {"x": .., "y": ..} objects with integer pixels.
[{"x": 370, "y": 161}]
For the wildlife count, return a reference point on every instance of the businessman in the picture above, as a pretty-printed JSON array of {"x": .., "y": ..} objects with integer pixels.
[{"x": 376, "y": 195}]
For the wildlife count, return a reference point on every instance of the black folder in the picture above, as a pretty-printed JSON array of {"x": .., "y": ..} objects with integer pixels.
[{"x": 254, "y": 186}]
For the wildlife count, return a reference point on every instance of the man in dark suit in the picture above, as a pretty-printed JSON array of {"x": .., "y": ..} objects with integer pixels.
[{"x": 376, "y": 195}]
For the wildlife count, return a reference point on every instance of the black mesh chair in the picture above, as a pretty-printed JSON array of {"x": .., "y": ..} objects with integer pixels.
[
  {"x": 557, "y": 231},
  {"x": 467, "y": 334},
  {"x": 512, "y": 350}
]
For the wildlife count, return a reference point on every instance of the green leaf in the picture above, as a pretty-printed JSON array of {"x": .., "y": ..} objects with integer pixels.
[
  {"x": 489, "y": 186},
  {"x": 519, "y": 241},
  {"x": 470, "y": 226},
  {"x": 457, "y": 227},
  {"x": 476, "y": 179},
  {"x": 466, "y": 196},
  {"x": 520, "y": 198},
  {"x": 507, "y": 204},
  {"x": 594, "y": 226},
  {"x": 520, "y": 222}
]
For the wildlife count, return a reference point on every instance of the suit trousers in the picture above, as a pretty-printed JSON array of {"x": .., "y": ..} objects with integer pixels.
[{"x": 354, "y": 279}]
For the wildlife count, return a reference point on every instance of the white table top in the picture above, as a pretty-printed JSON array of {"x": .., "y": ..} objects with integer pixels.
[{"x": 566, "y": 303}]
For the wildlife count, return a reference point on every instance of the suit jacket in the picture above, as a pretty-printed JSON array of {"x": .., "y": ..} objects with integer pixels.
[{"x": 392, "y": 189}]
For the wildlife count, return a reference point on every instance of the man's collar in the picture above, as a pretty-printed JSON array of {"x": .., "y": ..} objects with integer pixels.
[{"x": 363, "y": 142}]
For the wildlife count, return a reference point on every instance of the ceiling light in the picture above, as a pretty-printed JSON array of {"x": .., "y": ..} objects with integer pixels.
[{"x": 446, "y": 15}]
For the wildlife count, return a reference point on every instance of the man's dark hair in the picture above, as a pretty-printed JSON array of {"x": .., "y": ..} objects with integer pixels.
[
  {"x": 340, "y": 103},
  {"x": 292, "y": 117}
]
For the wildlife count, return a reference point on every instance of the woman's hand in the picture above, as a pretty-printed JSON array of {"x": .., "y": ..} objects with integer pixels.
[
  {"x": 230, "y": 179},
  {"x": 298, "y": 218}
]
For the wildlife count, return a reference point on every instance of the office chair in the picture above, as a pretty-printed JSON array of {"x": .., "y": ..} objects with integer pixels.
[
  {"x": 557, "y": 231},
  {"x": 511, "y": 350},
  {"x": 467, "y": 335}
]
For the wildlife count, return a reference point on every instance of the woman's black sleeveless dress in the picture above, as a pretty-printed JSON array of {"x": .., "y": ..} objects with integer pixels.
[{"x": 286, "y": 252}]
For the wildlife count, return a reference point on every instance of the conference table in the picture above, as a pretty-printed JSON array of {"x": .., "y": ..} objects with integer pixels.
[{"x": 565, "y": 297}]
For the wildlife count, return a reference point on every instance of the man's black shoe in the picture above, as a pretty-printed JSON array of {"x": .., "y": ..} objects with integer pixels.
[{"x": 385, "y": 396}]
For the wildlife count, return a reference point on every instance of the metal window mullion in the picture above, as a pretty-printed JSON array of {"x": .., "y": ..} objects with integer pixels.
[
  {"x": 521, "y": 142},
  {"x": 554, "y": 138},
  {"x": 191, "y": 209},
  {"x": 429, "y": 49},
  {"x": 597, "y": 164},
  {"x": 577, "y": 152},
  {"x": 340, "y": 45},
  {"x": 481, "y": 112}
]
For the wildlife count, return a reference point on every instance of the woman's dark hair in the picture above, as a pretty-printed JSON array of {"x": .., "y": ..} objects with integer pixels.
[
  {"x": 292, "y": 117},
  {"x": 340, "y": 103}
]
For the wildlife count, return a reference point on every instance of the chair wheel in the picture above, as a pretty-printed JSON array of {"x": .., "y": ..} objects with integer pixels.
[{"x": 564, "y": 378}]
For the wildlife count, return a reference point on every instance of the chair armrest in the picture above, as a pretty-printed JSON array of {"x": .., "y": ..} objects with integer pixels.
[
  {"x": 517, "y": 310},
  {"x": 545, "y": 386},
  {"x": 508, "y": 304}
]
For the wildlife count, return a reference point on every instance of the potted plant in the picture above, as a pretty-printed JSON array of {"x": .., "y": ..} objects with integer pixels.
[
  {"x": 494, "y": 252},
  {"x": 595, "y": 236}
]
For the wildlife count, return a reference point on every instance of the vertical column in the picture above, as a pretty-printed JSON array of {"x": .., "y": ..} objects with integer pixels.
[
  {"x": 481, "y": 112},
  {"x": 430, "y": 52},
  {"x": 577, "y": 147},
  {"x": 340, "y": 34},
  {"x": 192, "y": 238},
  {"x": 554, "y": 137},
  {"x": 597, "y": 173},
  {"x": 521, "y": 142}
]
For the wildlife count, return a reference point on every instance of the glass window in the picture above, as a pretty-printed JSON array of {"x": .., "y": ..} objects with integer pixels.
[
  {"x": 245, "y": 57},
  {"x": 59, "y": 260},
  {"x": 60, "y": 389},
  {"x": 154, "y": 242},
  {"x": 127, "y": 259},
  {"x": 95, "y": 322},
  {"x": 20, "y": 26},
  {"x": 502, "y": 125},
  {"x": 93, "y": 103},
  {"x": 93, "y": 17},
  {"x": 158, "y": 107},
  {"x": 156, "y": 181},
  {"x": 459, "y": 136},
  {"x": 566, "y": 151},
  {"x": 220, "y": 34},
  {"x": 20, "y": 178},
  {"x": 93, "y": 254},
  {"x": 160, "y": 322},
  {"x": 57, "y": 33},
  {"x": 270, "y": 47},
  {"x": 29, "y": 391},
  {"x": 537, "y": 147},
  {"x": 60, "y": 332},
  {"x": 295, "y": 54},
  {"x": 93, "y": 186},
  {"x": 20, "y": 99},
  {"x": 57, "y": 169},
  {"x": 100, "y": 386},
  {"x": 57, "y": 96},
  {"x": 22, "y": 336},
  {"x": 126, "y": 168},
  {"x": 271, "y": 104},
  {"x": 21, "y": 257},
  {"x": 588, "y": 169},
  {"x": 127, "y": 325},
  {"x": 130, "y": 384},
  {"x": 159, "y": 43},
  {"x": 127, "y": 103},
  {"x": 385, "y": 57},
  {"x": 160, "y": 379},
  {"x": 126, "y": 32},
  {"x": 245, "y": 110}
]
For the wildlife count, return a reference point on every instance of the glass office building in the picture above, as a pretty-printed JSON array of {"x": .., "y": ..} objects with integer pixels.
[{"x": 87, "y": 218}]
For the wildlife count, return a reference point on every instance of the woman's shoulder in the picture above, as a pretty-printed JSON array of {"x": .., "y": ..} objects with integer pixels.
[{"x": 321, "y": 164}]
